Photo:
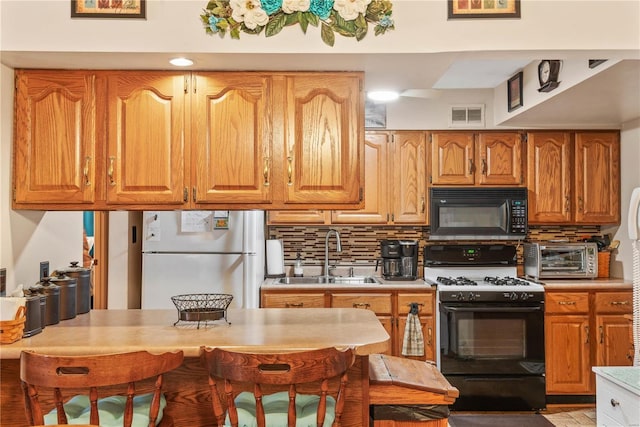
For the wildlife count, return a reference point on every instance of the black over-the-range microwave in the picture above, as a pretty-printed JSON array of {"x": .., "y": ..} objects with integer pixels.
[{"x": 475, "y": 213}]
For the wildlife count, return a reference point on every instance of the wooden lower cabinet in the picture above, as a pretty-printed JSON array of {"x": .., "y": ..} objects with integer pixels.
[
  {"x": 391, "y": 307},
  {"x": 585, "y": 329}
]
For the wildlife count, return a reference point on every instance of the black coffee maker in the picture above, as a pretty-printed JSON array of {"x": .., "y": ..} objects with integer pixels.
[{"x": 399, "y": 259}]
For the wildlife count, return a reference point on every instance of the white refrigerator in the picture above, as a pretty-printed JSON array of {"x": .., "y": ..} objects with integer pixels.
[{"x": 192, "y": 252}]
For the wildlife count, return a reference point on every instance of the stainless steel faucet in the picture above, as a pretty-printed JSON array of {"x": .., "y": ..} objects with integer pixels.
[{"x": 326, "y": 250}]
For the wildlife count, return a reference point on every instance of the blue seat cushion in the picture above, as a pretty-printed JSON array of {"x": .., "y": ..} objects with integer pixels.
[
  {"x": 111, "y": 410},
  {"x": 276, "y": 406}
]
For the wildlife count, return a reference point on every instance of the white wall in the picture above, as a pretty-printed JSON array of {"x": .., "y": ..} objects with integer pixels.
[{"x": 630, "y": 178}]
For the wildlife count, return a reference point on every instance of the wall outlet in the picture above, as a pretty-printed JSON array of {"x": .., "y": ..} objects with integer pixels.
[{"x": 44, "y": 269}]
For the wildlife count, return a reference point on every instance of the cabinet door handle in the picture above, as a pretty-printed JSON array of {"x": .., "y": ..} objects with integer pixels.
[
  {"x": 294, "y": 304},
  {"x": 567, "y": 302},
  {"x": 423, "y": 204},
  {"x": 601, "y": 334},
  {"x": 580, "y": 204},
  {"x": 185, "y": 195},
  {"x": 265, "y": 172},
  {"x": 87, "y": 162},
  {"x": 429, "y": 335},
  {"x": 470, "y": 166},
  {"x": 619, "y": 302},
  {"x": 484, "y": 166},
  {"x": 289, "y": 169},
  {"x": 112, "y": 160},
  {"x": 614, "y": 403},
  {"x": 361, "y": 305},
  {"x": 586, "y": 331},
  {"x": 566, "y": 203}
]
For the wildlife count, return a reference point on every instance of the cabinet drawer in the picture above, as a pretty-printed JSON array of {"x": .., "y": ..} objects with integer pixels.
[
  {"x": 567, "y": 302},
  {"x": 293, "y": 300},
  {"x": 378, "y": 303},
  {"x": 614, "y": 302},
  {"x": 425, "y": 303}
]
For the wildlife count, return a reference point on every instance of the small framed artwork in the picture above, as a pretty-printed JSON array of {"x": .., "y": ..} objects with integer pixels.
[
  {"x": 375, "y": 115},
  {"x": 108, "y": 9},
  {"x": 514, "y": 92},
  {"x": 483, "y": 9}
]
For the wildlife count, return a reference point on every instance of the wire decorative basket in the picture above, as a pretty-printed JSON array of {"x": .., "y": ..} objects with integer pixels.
[{"x": 201, "y": 307}]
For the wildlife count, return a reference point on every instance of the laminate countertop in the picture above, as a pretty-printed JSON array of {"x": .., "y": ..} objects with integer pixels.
[
  {"x": 259, "y": 330},
  {"x": 587, "y": 284}
]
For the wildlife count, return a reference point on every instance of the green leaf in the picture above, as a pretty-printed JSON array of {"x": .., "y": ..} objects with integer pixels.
[
  {"x": 291, "y": 18},
  {"x": 235, "y": 32},
  {"x": 275, "y": 25},
  {"x": 360, "y": 22},
  {"x": 304, "y": 21},
  {"x": 361, "y": 32},
  {"x": 313, "y": 19},
  {"x": 327, "y": 35}
]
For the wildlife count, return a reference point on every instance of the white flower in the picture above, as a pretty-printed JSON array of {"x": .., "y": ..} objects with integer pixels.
[
  {"x": 290, "y": 6},
  {"x": 250, "y": 12},
  {"x": 350, "y": 9}
]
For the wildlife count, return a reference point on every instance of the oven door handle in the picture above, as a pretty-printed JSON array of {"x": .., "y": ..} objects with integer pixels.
[{"x": 493, "y": 309}]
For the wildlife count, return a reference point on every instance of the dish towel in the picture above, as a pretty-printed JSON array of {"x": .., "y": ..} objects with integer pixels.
[{"x": 413, "y": 341}]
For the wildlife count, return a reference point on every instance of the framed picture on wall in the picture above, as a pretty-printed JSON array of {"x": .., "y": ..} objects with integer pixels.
[
  {"x": 108, "y": 9},
  {"x": 483, "y": 9},
  {"x": 514, "y": 92}
]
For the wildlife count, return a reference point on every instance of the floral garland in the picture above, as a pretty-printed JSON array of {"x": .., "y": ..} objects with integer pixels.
[{"x": 349, "y": 18}]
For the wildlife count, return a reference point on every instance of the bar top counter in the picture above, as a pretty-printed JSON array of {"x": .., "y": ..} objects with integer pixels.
[{"x": 260, "y": 330}]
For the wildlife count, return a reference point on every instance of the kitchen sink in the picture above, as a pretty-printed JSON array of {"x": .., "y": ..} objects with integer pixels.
[{"x": 356, "y": 280}]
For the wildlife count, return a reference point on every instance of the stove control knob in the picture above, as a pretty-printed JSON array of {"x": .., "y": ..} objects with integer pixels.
[
  {"x": 472, "y": 296},
  {"x": 524, "y": 296},
  {"x": 513, "y": 296},
  {"x": 460, "y": 296}
]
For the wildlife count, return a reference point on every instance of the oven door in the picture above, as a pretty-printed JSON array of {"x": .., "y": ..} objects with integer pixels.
[
  {"x": 494, "y": 355},
  {"x": 492, "y": 338}
]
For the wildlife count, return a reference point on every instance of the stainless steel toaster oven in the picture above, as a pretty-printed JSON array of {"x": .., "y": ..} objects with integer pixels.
[{"x": 561, "y": 260}]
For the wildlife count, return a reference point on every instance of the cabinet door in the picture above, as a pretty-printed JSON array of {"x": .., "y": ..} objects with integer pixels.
[
  {"x": 292, "y": 300},
  {"x": 452, "y": 158},
  {"x": 377, "y": 162},
  {"x": 613, "y": 344},
  {"x": 146, "y": 138},
  {"x": 324, "y": 140},
  {"x": 597, "y": 177},
  {"x": 409, "y": 178},
  {"x": 55, "y": 137},
  {"x": 500, "y": 159},
  {"x": 428, "y": 334},
  {"x": 567, "y": 348},
  {"x": 426, "y": 309},
  {"x": 549, "y": 177},
  {"x": 231, "y": 133}
]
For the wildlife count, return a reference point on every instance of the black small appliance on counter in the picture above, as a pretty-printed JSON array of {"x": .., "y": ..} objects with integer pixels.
[{"x": 399, "y": 259}]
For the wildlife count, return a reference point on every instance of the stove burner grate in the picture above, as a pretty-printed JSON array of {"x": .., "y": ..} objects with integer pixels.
[{"x": 458, "y": 281}]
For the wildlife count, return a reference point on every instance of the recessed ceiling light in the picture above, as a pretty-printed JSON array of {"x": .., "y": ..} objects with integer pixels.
[
  {"x": 383, "y": 95},
  {"x": 181, "y": 62}
]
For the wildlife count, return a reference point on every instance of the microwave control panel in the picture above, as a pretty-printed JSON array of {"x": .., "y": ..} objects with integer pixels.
[{"x": 519, "y": 216}]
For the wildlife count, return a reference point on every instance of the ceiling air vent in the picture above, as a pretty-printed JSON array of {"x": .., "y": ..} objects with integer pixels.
[{"x": 466, "y": 116}]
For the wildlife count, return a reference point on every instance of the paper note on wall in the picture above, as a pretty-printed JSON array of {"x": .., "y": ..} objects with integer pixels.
[{"x": 196, "y": 221}]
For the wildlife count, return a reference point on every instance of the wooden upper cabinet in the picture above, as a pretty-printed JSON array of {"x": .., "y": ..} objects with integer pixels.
[
  {"x": 597, "y": 177},
  {"x": 323, "y": 132},
  {"x": 452, "y": 158},
  {"x": 231, "y": 138},
  {"x": 377, "y": 204},
  {"x": 484, "y": 158},
  {"x": 395, "y": 180},
  {"x": 55, "y": 138},
  {"x": 500, "y": 158},
  {"x": 409, "y": 178},
  {"x": 549, "y": 177},
  {"x": 146, "y": 138}
]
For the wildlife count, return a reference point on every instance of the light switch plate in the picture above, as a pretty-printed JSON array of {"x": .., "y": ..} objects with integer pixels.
[{"x": 44, "y": 269}]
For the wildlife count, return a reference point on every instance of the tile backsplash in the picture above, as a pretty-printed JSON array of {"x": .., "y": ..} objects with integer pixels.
[{"x": 360, "y": 244}]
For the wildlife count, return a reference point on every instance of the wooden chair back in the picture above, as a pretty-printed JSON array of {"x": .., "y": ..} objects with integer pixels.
[
  {"x": 39, "y": 371},
  {"x": 285, "y": 371}
]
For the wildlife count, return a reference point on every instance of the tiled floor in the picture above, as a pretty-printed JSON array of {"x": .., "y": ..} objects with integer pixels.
[{"x": 581, "y": 417}]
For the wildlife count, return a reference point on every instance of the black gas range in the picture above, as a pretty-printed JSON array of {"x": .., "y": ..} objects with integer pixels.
[{"x": 491, "y": 327}]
